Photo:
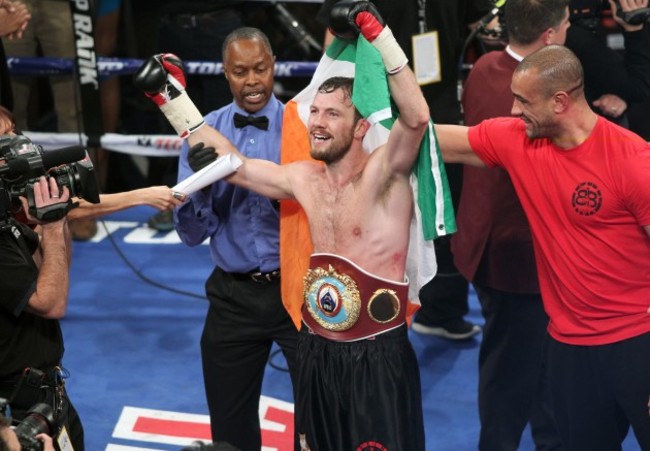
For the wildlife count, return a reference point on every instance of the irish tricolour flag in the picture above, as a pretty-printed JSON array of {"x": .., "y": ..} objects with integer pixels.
[{"x": 434, "y": 215}]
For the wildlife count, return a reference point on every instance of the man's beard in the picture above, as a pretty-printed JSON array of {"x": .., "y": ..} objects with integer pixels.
[
  {"x": 540, "y": 129},
  {"x": 335, "y": 151}
]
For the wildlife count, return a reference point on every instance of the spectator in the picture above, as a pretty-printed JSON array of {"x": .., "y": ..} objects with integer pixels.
[
  {"x": 50, "y": 31},
  {"x": 14, "y": 17},
  {"x": 107, "y": 27}
]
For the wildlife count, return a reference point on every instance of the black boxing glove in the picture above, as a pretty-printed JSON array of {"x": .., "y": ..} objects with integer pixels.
[
  {"x": 200, "y": 156},
  {"x": 344, "y": 20},
  {"x": 348, "y": 18},
  {"x": 162, "y": 78}
]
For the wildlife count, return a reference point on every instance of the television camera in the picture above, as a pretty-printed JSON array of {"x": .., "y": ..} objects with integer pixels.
[{"x": 22, "y": 163}]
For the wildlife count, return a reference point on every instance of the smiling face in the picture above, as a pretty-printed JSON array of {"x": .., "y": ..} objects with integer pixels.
[
  {"x": 331, "y": 125},
  {"x": 533, "y": 106},
  {"x": 248, "y": 67}
]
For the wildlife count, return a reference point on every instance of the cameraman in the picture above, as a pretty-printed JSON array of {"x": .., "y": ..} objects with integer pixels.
[
  {"x": 9, "y": 440},
  {"x": 34, "y": 268},
  {"x": 613, "y": 79}
]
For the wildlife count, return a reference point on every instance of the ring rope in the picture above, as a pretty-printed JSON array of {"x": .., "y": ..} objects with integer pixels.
[{"x": 144, "y": 145}]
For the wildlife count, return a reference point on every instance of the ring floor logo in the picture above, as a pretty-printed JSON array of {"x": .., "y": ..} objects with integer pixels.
[{"x": 181, "y": 429}]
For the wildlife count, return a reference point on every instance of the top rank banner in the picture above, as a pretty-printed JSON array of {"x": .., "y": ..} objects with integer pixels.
[{"x": 86, "y": 72}]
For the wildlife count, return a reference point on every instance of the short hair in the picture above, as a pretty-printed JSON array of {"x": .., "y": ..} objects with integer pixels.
[
  {"x": 246, "y": 33},
  {"x": 526, "y": 20},
  {"x": 557, "y": 69},
  {"x": 345, "y": 84}
]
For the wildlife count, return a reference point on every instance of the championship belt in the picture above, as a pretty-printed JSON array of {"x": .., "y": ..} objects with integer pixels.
[{"x": 345, "y": 303}]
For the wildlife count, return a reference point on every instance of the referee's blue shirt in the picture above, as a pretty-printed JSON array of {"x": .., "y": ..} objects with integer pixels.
[{"x": 243, "y": 226}]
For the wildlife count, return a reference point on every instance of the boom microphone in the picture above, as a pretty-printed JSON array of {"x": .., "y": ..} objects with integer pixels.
[
  {"x": 296, "y": 29},
  {"x": 483, "y": 21},
  {"x": 15, "y": 167},
  {"x": 52, "y": 158},
  {"x": 480, "y": 25}
]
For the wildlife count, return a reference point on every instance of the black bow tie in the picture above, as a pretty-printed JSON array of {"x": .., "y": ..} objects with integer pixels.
[{"x": 261, "y": 122}]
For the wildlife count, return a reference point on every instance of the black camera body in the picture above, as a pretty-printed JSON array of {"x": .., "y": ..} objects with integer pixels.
[
  {"x": 38, "y": 420},
  {"x": 22, "y": 163},
  {"x": 586, "y": 13},
  {"x": 636, "y": 17}
]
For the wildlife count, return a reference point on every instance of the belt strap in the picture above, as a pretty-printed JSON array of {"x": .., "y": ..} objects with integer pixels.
[{"x": 255, "y": 276}]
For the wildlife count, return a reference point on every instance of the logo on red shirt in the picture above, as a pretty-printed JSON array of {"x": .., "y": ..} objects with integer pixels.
[{"x": 587, "y": 199}]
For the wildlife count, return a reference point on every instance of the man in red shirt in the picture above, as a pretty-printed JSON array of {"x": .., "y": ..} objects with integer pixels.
[{"x": 582, "y": 182}]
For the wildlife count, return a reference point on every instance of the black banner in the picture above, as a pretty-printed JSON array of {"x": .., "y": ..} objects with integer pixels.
[{"x": 86, "y": 72}]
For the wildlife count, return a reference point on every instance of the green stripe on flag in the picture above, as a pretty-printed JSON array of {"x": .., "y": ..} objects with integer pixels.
[
  {"x": 371, "y": 94},
  {"x": 434, "y": 196},
  {"x": 342, "y": 50}
]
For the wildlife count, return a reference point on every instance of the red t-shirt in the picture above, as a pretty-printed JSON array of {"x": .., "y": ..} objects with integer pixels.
[{"x": 586, "y": 207}]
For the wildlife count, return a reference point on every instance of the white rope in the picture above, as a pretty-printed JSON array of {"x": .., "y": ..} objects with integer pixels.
[{"x": 145, "y": 145}]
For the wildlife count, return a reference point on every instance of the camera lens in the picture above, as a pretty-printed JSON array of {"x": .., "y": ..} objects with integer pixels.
[
  {"x": 29, "y": 443},
  {"x": 39, "y": 420}
]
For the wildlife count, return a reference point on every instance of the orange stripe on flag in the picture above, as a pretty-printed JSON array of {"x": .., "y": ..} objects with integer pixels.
[{"x": 295, "y": 241}]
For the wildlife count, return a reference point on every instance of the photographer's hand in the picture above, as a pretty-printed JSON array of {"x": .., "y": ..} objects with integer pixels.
[
  {"x": 610, "y": 105},
  {"x": 627, "y": 6},
  {"x": 47, "y": 442}
]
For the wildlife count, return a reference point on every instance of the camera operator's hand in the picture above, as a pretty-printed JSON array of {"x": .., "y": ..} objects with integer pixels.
[
  {"x": 46, "y": 193},
  {"x": 47, "y": 442},
  {"x": 626, "y": 7},
  {"x": 610, "y": 105}
]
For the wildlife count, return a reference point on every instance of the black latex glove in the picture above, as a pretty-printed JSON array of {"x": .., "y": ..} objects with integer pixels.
[{"x": 200, "y": 156}]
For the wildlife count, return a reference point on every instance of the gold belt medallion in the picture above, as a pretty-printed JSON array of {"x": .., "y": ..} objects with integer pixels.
[{"x": 332, "y": 299}]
